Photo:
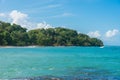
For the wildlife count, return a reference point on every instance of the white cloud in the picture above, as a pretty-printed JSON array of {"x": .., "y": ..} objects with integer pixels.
[
  {"x": 111, "y": 33},
  {"x": 95, "y": 34},
  {"x": 20, "y": 18},
  {"x": 44, "y": 25}
]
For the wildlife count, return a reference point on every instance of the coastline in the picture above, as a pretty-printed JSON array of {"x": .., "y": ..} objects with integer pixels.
[{"x": 35, "y": 46}]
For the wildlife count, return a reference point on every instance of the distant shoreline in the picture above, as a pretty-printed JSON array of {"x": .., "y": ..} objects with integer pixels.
[{"x": 44, "y": 46}]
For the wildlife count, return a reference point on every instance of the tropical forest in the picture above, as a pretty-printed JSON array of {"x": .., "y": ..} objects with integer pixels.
[{"x": 15, "y": 35}]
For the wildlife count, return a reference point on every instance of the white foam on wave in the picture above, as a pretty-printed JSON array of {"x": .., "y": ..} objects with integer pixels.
[
  {"x": 102, "y": 47},
  {"x": 18, "y": 46}
]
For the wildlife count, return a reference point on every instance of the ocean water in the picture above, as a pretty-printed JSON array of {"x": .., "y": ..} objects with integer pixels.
[{"x": 23, "y": 62}]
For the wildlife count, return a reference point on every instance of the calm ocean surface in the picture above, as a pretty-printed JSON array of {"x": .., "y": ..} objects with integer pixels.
[{"x": 60, "y": 61}]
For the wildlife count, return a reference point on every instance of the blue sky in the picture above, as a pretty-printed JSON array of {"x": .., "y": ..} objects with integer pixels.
[{"x": 97, "y": 18}]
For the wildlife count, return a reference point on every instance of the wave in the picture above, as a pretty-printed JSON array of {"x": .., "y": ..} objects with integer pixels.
[{"x": 102, "y": 47}]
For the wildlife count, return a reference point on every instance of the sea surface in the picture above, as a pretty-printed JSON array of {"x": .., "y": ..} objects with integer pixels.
[{"x": 99, "y": 63}]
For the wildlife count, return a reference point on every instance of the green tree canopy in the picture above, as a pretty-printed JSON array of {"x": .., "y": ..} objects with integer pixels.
[{"x": 15, "y": 35}]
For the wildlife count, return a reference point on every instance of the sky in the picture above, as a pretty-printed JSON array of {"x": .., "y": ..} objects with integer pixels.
[{"x": 97, "y": 18}]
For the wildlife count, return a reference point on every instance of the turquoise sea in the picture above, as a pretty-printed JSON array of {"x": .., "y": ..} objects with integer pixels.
[{"x": 95, "y": 62}]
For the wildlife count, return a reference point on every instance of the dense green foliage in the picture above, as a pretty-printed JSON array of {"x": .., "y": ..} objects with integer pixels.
[{"x": 15, "y": 35}]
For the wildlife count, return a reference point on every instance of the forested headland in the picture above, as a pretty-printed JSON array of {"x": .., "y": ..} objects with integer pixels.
[{"x": 15, "y": 35}]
